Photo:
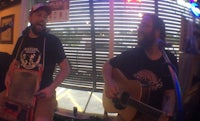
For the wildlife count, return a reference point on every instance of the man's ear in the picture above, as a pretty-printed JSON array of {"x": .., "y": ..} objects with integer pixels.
[{"x": 29, "y": 18}]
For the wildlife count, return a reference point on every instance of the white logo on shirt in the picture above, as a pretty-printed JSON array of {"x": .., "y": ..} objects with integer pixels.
[
  {"x": 30, "y": 58},
  {"x": 148, "y": 77}
]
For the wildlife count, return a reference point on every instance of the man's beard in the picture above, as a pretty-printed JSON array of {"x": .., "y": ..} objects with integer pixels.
[
  {"x": 38, "y": 32},
  {"x": 147, "y": 41}
]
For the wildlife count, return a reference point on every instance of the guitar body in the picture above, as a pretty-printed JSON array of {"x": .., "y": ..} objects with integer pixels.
[{"x": 132, "y": 87}]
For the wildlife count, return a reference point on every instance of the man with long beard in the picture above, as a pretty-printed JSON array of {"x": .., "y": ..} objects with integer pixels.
[
  {"x": 146, "y": 65},
  {"x": 29, "y": 82}
]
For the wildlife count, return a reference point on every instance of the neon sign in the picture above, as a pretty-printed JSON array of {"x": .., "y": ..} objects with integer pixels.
[{"x": 195, "y": 9}]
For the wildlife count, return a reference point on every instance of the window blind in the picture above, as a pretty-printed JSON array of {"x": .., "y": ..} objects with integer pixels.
[{"x": 86, "y": 36}]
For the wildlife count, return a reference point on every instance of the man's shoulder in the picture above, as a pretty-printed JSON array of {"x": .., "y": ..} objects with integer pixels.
[
  {"x": 52, "y": 39},
  {"x": 171, "y": 56},
  {"x": 170, "y": 53},
  {"x": 51, "y": 36},
  {"x": 134, "y": 50}
]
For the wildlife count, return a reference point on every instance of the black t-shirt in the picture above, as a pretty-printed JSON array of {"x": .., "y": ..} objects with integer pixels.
[
  {"x": 135, "y": 65},
  {"x": 30, "y": 53}
]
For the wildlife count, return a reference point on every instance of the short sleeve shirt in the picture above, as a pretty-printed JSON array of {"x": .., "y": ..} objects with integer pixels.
[
  {"x": 45, "y": 50},
  {"x": 135, "y": 65}
]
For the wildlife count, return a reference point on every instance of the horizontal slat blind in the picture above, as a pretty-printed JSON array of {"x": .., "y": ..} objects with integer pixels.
[
  {"x": 126, "y": 20},
  {"x": 172, "y": 13},
  {"x": 76, "y": 38},
  {"x": 85, "y": 36},
  {"x": 101, "y": 26}
]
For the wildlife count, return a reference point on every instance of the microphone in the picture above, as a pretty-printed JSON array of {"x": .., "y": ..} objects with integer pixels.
[{"x": 162, "y": 44}]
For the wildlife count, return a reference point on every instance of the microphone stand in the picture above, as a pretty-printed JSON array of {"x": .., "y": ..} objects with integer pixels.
[{"x": 176, "y": 84}]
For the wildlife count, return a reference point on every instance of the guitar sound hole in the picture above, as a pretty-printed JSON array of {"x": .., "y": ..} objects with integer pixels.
[
  {"x": 124, "y": 98},
  {"x": 118, "y": 104}
]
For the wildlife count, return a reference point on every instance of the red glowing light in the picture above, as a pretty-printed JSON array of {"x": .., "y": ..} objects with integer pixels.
[{"x": 129, "y": 1}]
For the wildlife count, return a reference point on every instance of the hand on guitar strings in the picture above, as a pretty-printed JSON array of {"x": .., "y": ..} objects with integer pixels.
[{"x": 112, "y": 89}]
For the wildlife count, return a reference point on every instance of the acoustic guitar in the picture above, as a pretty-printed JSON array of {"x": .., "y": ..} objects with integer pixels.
[{"x": 131, "y": 99}]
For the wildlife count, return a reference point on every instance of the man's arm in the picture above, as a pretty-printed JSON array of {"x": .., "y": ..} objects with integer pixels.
[
  {"x": 168, "y": 104},
  {"x": 111, "y": 88},
  {"x": 107, "y": 72},
  {"x": 62, "y": 74}
]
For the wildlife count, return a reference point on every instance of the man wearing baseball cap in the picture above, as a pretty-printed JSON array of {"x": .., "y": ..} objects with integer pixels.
[
  {"x": 41, "y": 11},
  {"x": 41, "y": 6},
  {"x": 37, "y": 52}
]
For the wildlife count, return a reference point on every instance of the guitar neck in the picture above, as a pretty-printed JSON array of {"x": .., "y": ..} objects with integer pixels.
[{"x": 144, "y": 108}]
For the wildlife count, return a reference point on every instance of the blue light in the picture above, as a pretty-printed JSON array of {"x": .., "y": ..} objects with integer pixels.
[{"x": 195, "y": 9}]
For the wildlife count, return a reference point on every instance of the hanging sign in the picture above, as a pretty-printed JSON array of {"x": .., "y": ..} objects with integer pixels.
[{"x": 60, "y": 11}]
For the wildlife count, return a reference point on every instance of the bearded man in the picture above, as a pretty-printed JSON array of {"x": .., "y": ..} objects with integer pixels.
[
  {"x": 29, "y": 81},
  {"x": 144, "y": 64}
]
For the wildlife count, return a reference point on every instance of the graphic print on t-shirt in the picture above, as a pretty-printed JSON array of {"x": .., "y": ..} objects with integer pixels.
[
  {"x": 30, "y": 57},
  {"x": 148, "y": 77}
]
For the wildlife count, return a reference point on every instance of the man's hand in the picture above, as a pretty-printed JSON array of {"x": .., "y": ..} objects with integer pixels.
[
  {"x": 46, "y": 92},
  {"x": 112, "y": 89}
]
